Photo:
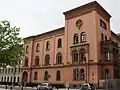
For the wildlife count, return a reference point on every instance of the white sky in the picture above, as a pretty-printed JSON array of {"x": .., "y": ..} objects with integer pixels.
[{"x": 38, "y": 16}]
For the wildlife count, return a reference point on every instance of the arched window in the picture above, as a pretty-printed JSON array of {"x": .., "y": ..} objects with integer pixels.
[
  {"x": 83, "y": 37},
  {"x": 18, "y": 79},
  {"x": 8, "y": 70},
  {"x": 75, "y": 74},
  {"x": 58, "y": 76},
  {"x": 59, "y": 43},
  {"x": 48, "y": 45},
  {"x": 2, "y": 79},
  {"x": 47, "y": 59},
  {"x": 14, "y": 79},
  {"x": 107, "y": 74},
  {"x": 59, "y": 58},
  {"x": 46, "y": 75},
  {"x": 26, "y": 61},
  {"x": 27, "y": 47},
  {"x": 83, "y": 55},
  {"x": 37, "y": 60},
  {"x": 35, "y": 75},
  {"x": 8, "y": 79},
  {"x": 11, "y": 70},
  {"x": 82, "y": 74},
  {"x": 15, "y": 69},
  {"x": 25, "y": 76},
  {"x": 37, "y": 47},
  {"x": 11, "y": 79},
  {"x": 5, "y": 79},
  {"x": 75, "y": 56},
  {"x": 107, "y": 55},
  {"x": 75, "y": 39}
]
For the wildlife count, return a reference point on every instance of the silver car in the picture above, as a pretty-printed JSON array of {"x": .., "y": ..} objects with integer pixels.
[
  {"x": 87, "y": 86},
  {"x": 45, "y": 86}
]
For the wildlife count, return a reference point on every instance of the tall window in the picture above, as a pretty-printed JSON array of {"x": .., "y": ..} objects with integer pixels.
[
  {"x": 48, "y": 45},
  {"x": 37, "y": 47},
  {"x": 105, "y": 38},
  {"x": 75, "y": 39},
  {"x": 107, "y": 55},
  {"x": 11, "y": 79},
  {"x": 15, "y": 69},
  {"x": 59, "y": 43},
  {"x": 83, "y": 37},
  {"x": 47, "y": 59},
  {"x": 14, "y": 79},
  {"x": 18, "y": 79},
  {"x": 27, "y": 47},
  {"x": 75, "y": 56},
  {"x": 35, "y": 75},
  {"x": 2, "y": 79},
  {"x": 8, "y": 79},
  {"x": 107, "y": 74},
  {"x": 8, "y": 70},
  {"x": 46, "y": 75},
  {"x": 11, "y": 70},
  {"x": 5, "y": 79},
  {"x": 102, "y": 37},
  {"x": 59, "y": 58},
  {"x": 81, "y": 74},
  {"x": 75, "y": 74},
  {"x": 37, "y": 60},
  {"x": 26, "y": 61},
  {"x": 83, "y": 55},
  {"x": 103, "y": 24},
  {"x": 58, "y": 76}
]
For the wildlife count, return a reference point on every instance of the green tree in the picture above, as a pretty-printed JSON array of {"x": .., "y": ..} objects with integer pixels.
[{"x": 11, "y": 45}]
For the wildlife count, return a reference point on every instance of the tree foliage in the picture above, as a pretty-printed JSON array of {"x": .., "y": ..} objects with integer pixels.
[{"x": 11, "y": 45}]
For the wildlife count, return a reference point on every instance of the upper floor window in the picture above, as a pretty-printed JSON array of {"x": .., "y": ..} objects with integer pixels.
[
  {"x": 59, "y": 58},
  {"x": 48, "y": 45},
  {"x": 107, "y": 55},
  {"x": 37, "y": 60},
  {"x": 103, "y": 24},
  {"x": 75, "y": 56},
  {"x": 75, "y": 74},
  {"x": 75, "y": 39},
  {"x": 102, "y": 37},
  {"x": 27, "y": 48},
  {"x": 58, "y": 76},
  {"x": 8, "y": 70},
  {"x": 83, "y": 37},
  {"x": 26, "y": 61},
  {"x": 37, "y": 47},
  {"x": 59, "y": 43},
  {"x": 83, "y": 55},
  {"x": 82, "y": 74},
  {"x": 47, "y": 59},
  {"x": 35, "y": 75},
  {"x": 15, "y": 69}
]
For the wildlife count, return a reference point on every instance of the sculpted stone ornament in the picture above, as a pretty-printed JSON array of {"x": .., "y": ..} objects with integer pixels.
[{"x": 79, "y": 23}]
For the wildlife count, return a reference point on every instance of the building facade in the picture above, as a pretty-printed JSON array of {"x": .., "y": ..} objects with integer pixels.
[
  {"x": 10, "y": 74},
  {"x": 84, "y": 50}
]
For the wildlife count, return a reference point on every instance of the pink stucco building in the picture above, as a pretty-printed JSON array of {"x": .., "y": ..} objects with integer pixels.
[{"x": 84, "y": 50}]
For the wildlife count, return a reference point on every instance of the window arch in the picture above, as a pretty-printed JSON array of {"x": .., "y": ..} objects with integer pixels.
[
  {"x": 83, "y": 55},
  {"x": 107, "y": 74},
  {"x": 59, "y": 43},
  {"x": 46, "y": 75},
  {"x": 59, "y": 58},
  {"x": 82, "y": 74},
  {"x": 75, "y": 39},
  {"x": 83, "y": 37},
  {"x": 26, "y": 61},
  {"x": 27, "y": 47},
  {"x": 35, "y": 75},
  {"x": 58, "y": 75},
  {"x": 75, "y": 74},
  {"x": 75, "y": 56},
  {"x": 47, "y": 59},
  {"x": 37, "y": 60},
  {"x": 48, "y": 45},
  {"x": 37, "y": 47}
]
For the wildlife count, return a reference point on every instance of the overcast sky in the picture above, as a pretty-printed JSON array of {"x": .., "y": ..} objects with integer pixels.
[{"x": 38, "y": 16}]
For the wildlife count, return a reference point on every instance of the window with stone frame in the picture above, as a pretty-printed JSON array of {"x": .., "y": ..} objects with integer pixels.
[
  {"x": 26, "y": 61},
  {"x": 35, "y": 75},
  {"x": 76, "y": 74},
  {"x": 58, "y": 76},
  {"x": 37, "y": 61},
  {"x": 47, "y": 59},
  {"x": 83, "y": 55},
  {"x": 48, "y": 45},
  {"x": 75, "y": 56},
  {"x": 37, "y": 47},
  {"x": 27, "y": 49},
  {"x": 59, "y": 43},
  {"x": 107, "y": 54},
  {"x": 82, "y": 74},
  {"x": 75, "y": 39},
  {"x": 83, "y": 37},
  {"x": 59, "y": 58},
  {"x": 46, "y": 75}
]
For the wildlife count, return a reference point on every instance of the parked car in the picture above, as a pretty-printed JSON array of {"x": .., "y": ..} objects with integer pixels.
[
  {"x": 45, "y": 86},
  {"x": 87, "y": 86}
]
